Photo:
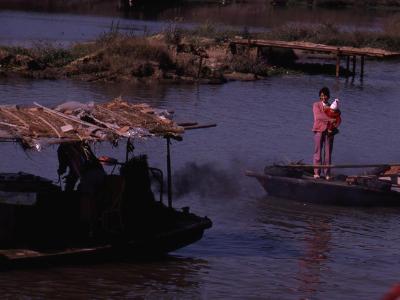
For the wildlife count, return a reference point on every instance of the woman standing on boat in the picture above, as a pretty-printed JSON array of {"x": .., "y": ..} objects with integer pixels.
[{"x": 323, "y": 138}]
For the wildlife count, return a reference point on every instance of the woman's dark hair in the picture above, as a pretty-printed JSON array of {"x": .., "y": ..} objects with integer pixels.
[{"x": 324, "y": 91}]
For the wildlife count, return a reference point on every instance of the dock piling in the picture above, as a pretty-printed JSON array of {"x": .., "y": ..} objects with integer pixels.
[
  {"x": 354, "y": 65},
  {"x": 169, "y": 175},
  {"x": 362, "y": 66},
  {"x": 337, "y": 64},
  {"x": 342, "y": 51}
]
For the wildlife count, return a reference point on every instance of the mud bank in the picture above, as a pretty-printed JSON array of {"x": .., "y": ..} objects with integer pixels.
[
  {"x": 200, "y": 55},
  {"x": 115, "y": 57}
]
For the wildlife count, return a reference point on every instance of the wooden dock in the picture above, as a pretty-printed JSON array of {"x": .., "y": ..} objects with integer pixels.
[{"x": 340, "y": 52}]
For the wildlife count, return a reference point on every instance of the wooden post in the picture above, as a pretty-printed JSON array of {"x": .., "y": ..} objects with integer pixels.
[
  {"x": 354, "y": 65},
  {"x": 347, "y": 65},
  {"x": 128, "y": 148},
  {"x": 233, "y": 48},
  {"x": 362, "y": 66},
  {"x": 337, "y": 63},
  {"x": 200, "y": 65},
  {"x": 169, "y": 179}
]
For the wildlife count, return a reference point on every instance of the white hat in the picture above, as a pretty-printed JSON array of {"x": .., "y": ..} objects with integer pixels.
[{"x": 335, "y": 104}]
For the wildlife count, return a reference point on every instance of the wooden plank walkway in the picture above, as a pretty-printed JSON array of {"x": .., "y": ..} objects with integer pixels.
[{"x": 338, "y": 51}]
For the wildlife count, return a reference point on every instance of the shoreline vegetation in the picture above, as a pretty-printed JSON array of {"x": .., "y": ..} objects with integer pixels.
[
  {"x": 77, "y": 4},
  {"x": 185, "y": 56}
]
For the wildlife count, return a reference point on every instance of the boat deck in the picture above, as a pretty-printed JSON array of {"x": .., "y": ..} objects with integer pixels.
[{"x": 320, "y": 191}]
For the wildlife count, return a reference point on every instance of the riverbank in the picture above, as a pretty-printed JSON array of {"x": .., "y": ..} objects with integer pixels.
[
  {"x": 115, "y": 57},
  {"x": 180, "y": 55},
  {"x": 43, "y": 4}
]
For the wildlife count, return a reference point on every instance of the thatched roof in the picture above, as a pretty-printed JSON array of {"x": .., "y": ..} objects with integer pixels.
[{"x": 37, "y": 126}]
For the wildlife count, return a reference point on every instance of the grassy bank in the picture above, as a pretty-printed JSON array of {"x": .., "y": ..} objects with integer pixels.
[
  {"x": 177, "y": 55},
  {"x": 173, "y": 56},
  {"x": 369, "y": 4},
  {"x": 375, "y": 4},
  {"x": 388, "y": 39}
]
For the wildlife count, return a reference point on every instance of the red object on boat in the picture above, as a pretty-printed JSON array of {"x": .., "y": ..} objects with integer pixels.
[
  {"x": 334, "y": 114},
  {"x": 393, "y": 294},
  {"x": 106, "y": 160}
]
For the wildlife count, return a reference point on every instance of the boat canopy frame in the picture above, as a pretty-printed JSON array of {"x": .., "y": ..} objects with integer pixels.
[{"x": 38, "y": 126}]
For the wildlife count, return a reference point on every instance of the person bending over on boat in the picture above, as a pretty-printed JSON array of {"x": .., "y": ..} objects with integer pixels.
[
  {"x": 82, "y": 164},
  {"x": 323, "y": 129},
  {"x": 78, "y": 159}
]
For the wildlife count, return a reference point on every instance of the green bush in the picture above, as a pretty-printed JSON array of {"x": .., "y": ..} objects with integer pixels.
[
  {"x": 17, "y": 50},
  {"x": 143, "y": 70},
  {"x": 51, "y": 55}
]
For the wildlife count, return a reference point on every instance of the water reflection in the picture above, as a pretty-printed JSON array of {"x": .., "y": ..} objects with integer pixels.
[
  {"x": 173, "y": 277},
  {"x": 312, "y": 264},
  {"x": 258, "y": 248}
]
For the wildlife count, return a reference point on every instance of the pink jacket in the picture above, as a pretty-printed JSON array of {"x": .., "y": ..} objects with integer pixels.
[{"x": 320, "y": 118}]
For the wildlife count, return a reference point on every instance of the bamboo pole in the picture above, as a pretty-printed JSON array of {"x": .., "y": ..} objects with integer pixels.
[
  {"x": 199, "y": 126},
  {"x": 12, "y": 125},
  {"x": 50, "y": 126},
  {"x": 71, "y": 118},
  {"x": 186, "y": 124},
  {"x": 77, "y": 120},
  {"x": 15, "y": 117}
]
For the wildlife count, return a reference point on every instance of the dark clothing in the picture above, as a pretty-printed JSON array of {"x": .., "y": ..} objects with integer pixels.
[
  {"x": 83, "y": 165},
  {"x": 80, "y": 161}
]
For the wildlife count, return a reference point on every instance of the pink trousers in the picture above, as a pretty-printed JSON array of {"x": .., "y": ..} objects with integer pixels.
[{"x": 323, "y": 145}]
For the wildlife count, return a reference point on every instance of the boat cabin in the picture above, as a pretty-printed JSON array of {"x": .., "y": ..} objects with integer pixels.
[{"x": 118, "y": 212}]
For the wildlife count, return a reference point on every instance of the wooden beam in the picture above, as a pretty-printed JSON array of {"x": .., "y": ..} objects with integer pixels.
[
  {"x": 199, "y": 126},
  {"x": 258, "y": 52}
]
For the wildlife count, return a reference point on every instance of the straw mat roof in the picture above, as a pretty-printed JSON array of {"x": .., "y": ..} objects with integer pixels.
[{"x": 37, "y": 126}]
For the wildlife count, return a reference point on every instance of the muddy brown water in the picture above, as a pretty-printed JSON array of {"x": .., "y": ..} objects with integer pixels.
[{"x": 259, "y": 247}]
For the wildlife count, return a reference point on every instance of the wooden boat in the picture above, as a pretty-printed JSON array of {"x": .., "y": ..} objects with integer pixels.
[
  {"x": 40, "y": 222},
  {"x": 294, "y": 184},
  {"x": 152, "y": 246}
]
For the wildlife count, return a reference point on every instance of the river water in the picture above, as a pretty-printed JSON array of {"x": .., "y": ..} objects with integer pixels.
[{"x": 259, "y": 247}]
